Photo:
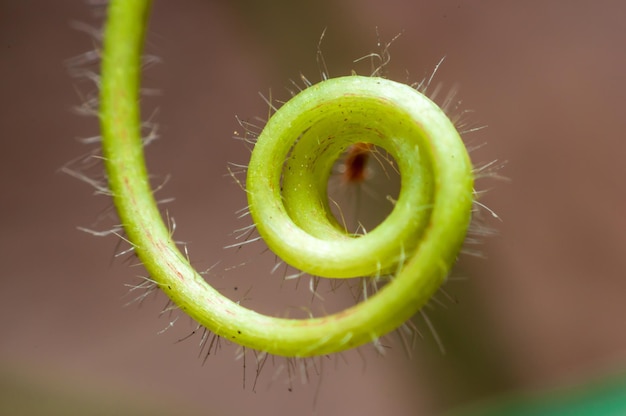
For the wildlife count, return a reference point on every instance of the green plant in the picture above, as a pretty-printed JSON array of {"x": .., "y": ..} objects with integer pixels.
[{"x": 286, "y": 186}]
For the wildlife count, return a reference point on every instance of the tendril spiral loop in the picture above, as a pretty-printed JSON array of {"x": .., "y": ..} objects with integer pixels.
[
  {"x": 287, "y": 180},
  {"x": 291, "y": 163}
]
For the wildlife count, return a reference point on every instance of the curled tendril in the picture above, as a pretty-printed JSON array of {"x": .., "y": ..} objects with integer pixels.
[{"x": 286, "y": 185}]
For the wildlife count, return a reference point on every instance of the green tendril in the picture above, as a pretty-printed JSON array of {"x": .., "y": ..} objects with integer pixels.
[{"x": 286, "y": 185}]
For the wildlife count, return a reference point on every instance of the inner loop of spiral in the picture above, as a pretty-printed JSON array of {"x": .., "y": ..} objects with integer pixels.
[{"x": 302, "y": 229}]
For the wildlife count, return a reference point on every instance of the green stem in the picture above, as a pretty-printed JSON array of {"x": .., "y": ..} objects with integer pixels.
[{"x": 434, "y": 204}]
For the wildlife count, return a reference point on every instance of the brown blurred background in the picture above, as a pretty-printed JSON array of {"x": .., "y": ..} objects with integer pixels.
[{"x": 544, "y": 309}]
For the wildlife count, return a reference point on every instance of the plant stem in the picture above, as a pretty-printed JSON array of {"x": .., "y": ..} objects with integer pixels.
[{"x": 435, "y": 200}]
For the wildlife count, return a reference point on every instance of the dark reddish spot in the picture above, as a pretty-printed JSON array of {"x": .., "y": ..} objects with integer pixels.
[{"x": 355, "y": 163}]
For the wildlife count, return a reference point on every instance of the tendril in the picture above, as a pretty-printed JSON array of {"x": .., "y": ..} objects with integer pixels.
[{"x": 286, "y": 185}]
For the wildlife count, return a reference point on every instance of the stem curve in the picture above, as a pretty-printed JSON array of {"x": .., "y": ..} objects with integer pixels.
[{"x": 313, "y": 128}]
